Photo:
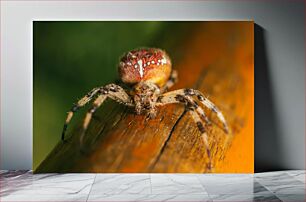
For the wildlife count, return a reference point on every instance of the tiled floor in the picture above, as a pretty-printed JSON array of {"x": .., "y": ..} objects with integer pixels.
[{"x": 270, "y": 186}]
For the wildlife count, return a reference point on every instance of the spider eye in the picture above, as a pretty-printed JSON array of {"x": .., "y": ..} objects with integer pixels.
[{"x": 147, "y": 64}]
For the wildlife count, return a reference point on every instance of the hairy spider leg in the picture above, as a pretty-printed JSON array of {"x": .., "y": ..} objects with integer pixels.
[
  {"x": 172, "y": 80},
  {"x": 196, "y": 113},
  {"x": 118, "y": 94},
  {"x": 96, "y": 104},
  {"x": 202, "y": 99},
  {"x": 82, "y": 102},
  {"x": 121, "y": 97},
  {"x": 205, "y": 101},
  {"x": 112, "y": 91},
  {"x": 173, "y": 97},
  {"x": 192, "y": 105},
  {"x": 203, "y": 115},
  {"x": 204, "y": 137}
]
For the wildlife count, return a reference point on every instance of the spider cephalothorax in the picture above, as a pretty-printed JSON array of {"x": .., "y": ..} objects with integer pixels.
[{"x": 148, "y": 71}]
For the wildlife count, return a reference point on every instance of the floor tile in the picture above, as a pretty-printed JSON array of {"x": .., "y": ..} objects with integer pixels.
[
  {"x": 216, "y": 184},
  {"x": 175, "y": 184},
  {"x": 12, "y": 173},
  {"x": 46, "y": 184},
  {"x": 281, "y": 183},
  {"x": 259, "y": 189},
  {"x": 183, "y": 197},
  {"x": 266, "y": 197},
  {"x": 121, "y": 184},
  {"x": 43, "y": 198},
  {"x": 276, "y": 175},
  {"x": 292, "y": 197},
  {"x": 298, "y": 175},
  {"x": 3, "y": 171},
  {"x": 231, "y": 197},
  {"x": 115, "y": 198},
  {"x": 151, "y": 197},
  {"x": 272, "y": 186}
]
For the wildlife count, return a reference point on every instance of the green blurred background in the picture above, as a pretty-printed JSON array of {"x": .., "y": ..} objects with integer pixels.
[{"x": 71, "y": 58}]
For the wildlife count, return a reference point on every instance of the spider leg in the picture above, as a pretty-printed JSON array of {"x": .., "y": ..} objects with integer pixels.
[
  {"x": 118, "y": 94},
  {"x": 172, "y": 80},
  {"x": 173, "y": 97},
  {"x": 82, "y": 102},
  {"x": 202, "y": 114},
  {"x": 204, "y": 137},
  {"x": 96, "y": 104},
  {"x": 205, "y": 101},
  {"x": 202, "y": 99},
  {"x": 196, "y": 113},
  {"x": 112, "y": 91},
  {"x": 192, "y": 105}
]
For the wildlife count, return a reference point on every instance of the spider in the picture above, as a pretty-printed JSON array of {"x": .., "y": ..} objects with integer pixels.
[{"x": 148, "y": 72}]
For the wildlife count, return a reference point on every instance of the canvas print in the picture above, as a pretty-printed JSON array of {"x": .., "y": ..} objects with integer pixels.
[{"x": 143, "y": 96}]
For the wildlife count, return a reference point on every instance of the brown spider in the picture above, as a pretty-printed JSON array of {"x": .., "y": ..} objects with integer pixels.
[{"x": 148, "y": 71}]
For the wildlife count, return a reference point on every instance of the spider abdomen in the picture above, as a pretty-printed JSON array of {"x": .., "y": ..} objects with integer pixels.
[{"x": 146, "y": 64}]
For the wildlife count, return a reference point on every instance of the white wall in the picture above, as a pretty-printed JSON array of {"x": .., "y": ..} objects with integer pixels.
[{"x": 283, "y": 26}]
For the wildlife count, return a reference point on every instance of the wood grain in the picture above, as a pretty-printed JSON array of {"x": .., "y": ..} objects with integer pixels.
[{"x": 217, "y": 60}]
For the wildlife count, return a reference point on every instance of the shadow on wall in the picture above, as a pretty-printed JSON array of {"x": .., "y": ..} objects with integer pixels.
[{"x": 267, "y": 144}]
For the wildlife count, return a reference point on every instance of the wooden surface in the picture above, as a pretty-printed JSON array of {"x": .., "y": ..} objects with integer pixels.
[{"x": 217, "y": 60}]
